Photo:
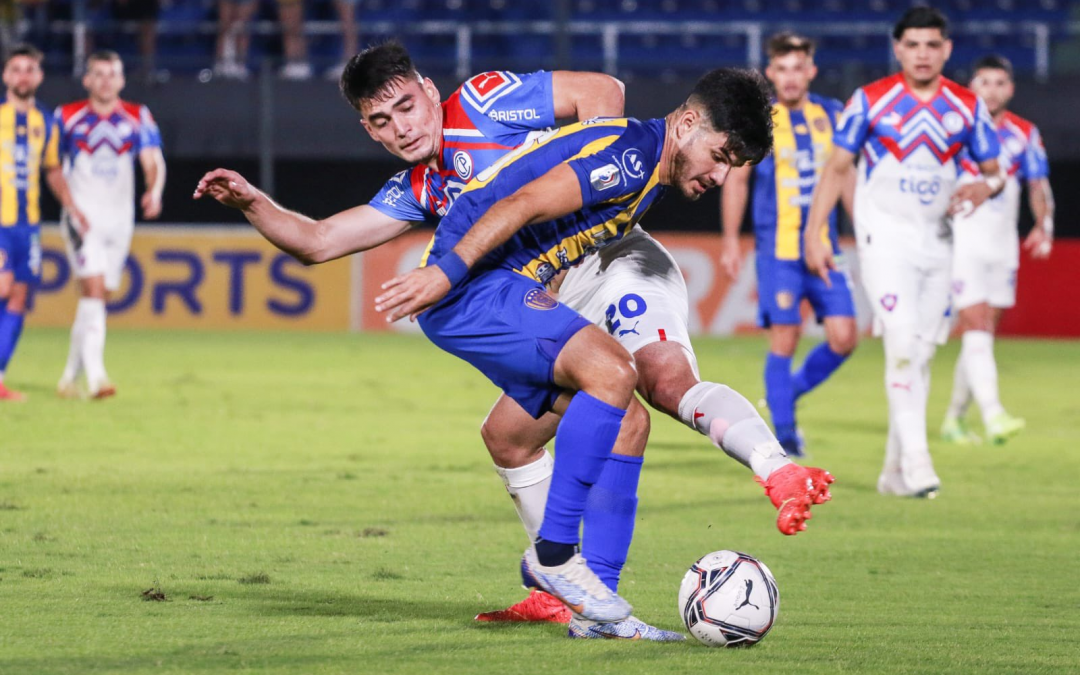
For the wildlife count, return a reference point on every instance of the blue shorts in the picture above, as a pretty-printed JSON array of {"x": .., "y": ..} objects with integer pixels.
[
  {"x": 20, "y": 252},
  {"x": 782, "y": 285},
  {"x": 508, "y": 328}
]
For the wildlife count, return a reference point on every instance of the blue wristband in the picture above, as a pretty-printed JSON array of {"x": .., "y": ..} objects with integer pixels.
[{"x": 453, "y": 267}]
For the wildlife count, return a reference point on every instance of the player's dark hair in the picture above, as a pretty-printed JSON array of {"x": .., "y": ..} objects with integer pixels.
[
  {"x": 738, "y": 103},
  {"x": 24, "y": 50},
  {"x": 368, "y": 73},
  {"x": 921, "y": 17},
  {"x": 106, "y": 55},
  {"x": 993, "y": 62},
  {"x": 787, "y": 42}
]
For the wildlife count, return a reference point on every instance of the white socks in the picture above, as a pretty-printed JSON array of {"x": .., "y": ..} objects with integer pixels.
[
  {"x": 87, "y": 351},
  {"x": 733, "y": 425},
  {"x": 907, "y": 386},
  {"x": 528, "y": 487},
  {"x": 980, "y": 371}
]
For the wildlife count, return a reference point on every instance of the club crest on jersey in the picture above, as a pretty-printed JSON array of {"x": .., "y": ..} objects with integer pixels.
[
  {"x": 537, "y": 298},
  {"x": 785, "y": 299},
  {"x": 484, "y": 89},
  {"x": 1014, "y": 146},
  {"x": 888, "y": 301},
  {"x": 605, "y": 177},
  {"x": 953, "y": 122},
  {"x": 821, "y": 124},
  {"x": 958, "y": 287},
  {"x": 463, "y": 164},
  {"x": 633, "y": 164}
]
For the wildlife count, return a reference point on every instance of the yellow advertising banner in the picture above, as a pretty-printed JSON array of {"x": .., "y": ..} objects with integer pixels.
[{"x": 203, "y": 277}]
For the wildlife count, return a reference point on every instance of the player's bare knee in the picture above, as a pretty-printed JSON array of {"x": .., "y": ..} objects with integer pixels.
[
  {"x": 843, "y": 340},
  {"x": 504, "y": 449}
]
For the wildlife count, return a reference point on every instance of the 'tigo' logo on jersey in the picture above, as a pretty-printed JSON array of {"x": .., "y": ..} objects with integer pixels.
[{"x": 926, "y": 190}]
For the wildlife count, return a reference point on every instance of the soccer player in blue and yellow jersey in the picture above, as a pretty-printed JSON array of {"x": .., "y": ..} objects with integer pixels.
[
  {"x": 536, "y": 212},
  {"x": 29, "y": 143},
  {"x": 783, "y": 185}
]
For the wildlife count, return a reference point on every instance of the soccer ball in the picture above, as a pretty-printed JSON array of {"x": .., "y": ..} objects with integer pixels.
[{"x": 729, "y": 599}]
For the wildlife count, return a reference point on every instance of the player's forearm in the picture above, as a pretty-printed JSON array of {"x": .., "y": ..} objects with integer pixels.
[
  {"x": 59, "y": 187},
  {"x": 292, "y": 232},
  {"x": 495, "y": 228},
  {"x": 154, "y": 174},
  {"x": 733, "y": 198},
  {"x": 1041, "y": 199},
  {"x": 847, "y": 192},
  {"x": 826, "y": 193},
  {"x": 993, "y": 176}
]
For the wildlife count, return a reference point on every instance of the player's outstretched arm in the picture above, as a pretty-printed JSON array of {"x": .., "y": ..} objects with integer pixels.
[
  {"x": 733, "y": 198},
  {"x": 153, "y": 166},
  {"x": 54, "y": 176},
  {"x": 553, "y": 195},
  {"x": 308, "y": 240},
  {"x": 1041, "y": 238},
  {"x": 587, "y": 95},
  {"x": 838, "y": 170}
]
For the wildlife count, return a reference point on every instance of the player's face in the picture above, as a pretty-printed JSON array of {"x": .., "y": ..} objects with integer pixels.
[
  {"x": 406, "y": 119},
  {"x": 922, "y": 53},
  {"x": 994, "y": 86},
  {"x": 791, "y": 75},
  {"x": 701, "y": 161},
  {"x": 22, "y": 76},
  {"x": 104, "y": 80}
]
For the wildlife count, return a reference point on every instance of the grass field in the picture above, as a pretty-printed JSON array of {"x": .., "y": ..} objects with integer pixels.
[{"x": 323, "y": 504}]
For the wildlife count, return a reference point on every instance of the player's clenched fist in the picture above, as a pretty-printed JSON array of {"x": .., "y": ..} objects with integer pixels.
[
  {"x": 228, "y": 187},
  {"x": 412, "y": 293}
]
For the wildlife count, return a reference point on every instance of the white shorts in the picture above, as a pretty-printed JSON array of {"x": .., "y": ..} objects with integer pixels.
[
  {"x": 634, "y": 290},
  {"x": 907, "y": 296},
  {"x": 102, "y": 250},
  {"x": 977, "y": 280}
]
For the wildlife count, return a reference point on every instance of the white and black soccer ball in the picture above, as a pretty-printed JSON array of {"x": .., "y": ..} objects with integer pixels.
[{"x": 729, "y": 599}]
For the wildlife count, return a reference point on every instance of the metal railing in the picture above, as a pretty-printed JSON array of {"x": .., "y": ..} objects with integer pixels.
[{"x": 607, "y": 32}]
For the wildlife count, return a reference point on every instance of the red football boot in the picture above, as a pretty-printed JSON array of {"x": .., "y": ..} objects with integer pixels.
[
  {"x": 792, "y": 490},
  {"x": 538, "y": 607},
  {"x": 9, "y": 395}
]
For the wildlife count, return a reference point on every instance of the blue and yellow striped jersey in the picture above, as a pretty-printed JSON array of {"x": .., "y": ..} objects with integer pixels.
[
  {"x": 29, "y": 141},
  {"x": 784, "y": 182},
  {"x": 617, "y": 162}
]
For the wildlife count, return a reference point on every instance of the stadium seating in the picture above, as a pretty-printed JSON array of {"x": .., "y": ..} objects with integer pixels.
[{"x": 187, "y": 38}]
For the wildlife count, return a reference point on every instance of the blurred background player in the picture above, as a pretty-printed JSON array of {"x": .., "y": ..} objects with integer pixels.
[
  {"x": 783, "y": 185},
  {"x": 100, "y": 138},
  {"x": 908, "y": 128},
  {"x": 29, "y": 143},
  {"x": 986, "y": 255}
]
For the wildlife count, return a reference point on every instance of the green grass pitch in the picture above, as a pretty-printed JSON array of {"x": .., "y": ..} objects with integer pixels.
[{"x": 294, "y": 503}]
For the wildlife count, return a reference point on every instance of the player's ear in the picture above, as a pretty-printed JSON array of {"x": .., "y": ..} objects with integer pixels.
[
  {"x": 686, "y": 122},
  {"x": 432, "y": 91},
  {"x": 948, "y": 48},
  {"x": 812, "y": 70}
]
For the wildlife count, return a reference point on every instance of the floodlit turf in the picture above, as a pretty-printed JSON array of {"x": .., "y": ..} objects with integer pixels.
[{"x": 289, "y": 503}]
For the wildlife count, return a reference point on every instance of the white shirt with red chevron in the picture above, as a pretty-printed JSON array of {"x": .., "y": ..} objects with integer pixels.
[
  {"x": 991, "y": 231},
  {"x": 909, "y": 157},
  {"x": 99, "y": 154}
]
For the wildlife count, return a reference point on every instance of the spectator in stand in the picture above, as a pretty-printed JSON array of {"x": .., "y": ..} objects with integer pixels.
[
  {"x": 346, "y": 11},
  {"x": 233, "y": 39},
  {"x": 293, "y": 40},
  {"x": 146, "y": 13}
]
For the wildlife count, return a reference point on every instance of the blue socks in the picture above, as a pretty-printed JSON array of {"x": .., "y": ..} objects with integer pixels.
[
  {"x": 583, "y": 443},
  {"x": 780, "y": 395},
  {"x": 609, "y": 518},
  {"x": 820, "y": 363},
  {"x": 10, "y": 328}
]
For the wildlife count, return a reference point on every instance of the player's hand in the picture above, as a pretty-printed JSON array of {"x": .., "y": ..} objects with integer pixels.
[
  {"x": 410, "y": 294},
  {"x": 151, "y": 205},
  {"x": 731, "y": 258},
  {"x": 819, "y": 258},
  {"x": 968, "y": 197},
  {"x": 76, "y": 217},
  {"x": 1038, "y": 243},
  {"x": 228, "y": 187}
]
